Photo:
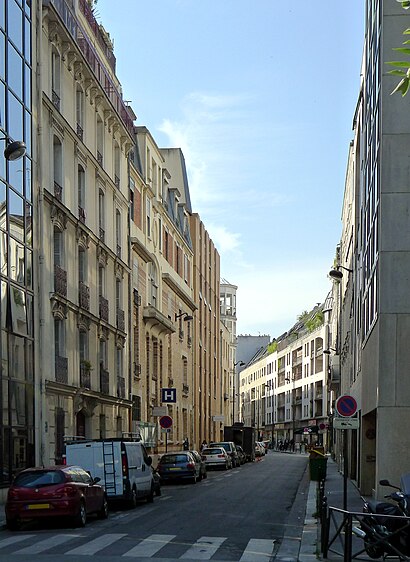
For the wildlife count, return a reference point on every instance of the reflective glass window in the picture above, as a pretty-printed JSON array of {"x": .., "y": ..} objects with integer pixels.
[
  {"x": 27, "y": 86},
  {"x": 17, "y": 358},
  {"x": 16, "y": 215},
  {"x": 28, "y": 220},
  {"x": 27, "y": 132},
  {"x": 3, "y": 313},
  {"x": 15, "y": 24},
  {"x": 17, "y": 261},
  {"x": 3, "y": 252},
  {"x": 2, "y": 205},
  {"x": 15, "y": 118},
  {"x": 16, "y": 174},
  {"x": 18, "y": 311},
  {"x": 27, "y": 39},
  {"x": 29, "y": 269},
  {"x": 2, "y": 56},
  {"x": 15, "y": 71},
  {"x": 27, "y": 7},
  {"x": 5, "y": 400},
  {"x": 27, "y": 191},
  {"x": 29, "y": 310},
  {"x": 2, "y": 17}
]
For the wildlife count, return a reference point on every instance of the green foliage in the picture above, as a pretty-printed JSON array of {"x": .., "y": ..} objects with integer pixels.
[
  {"x": 315, "y": 322},
  {"x": 404, "y": 84},
  {"x": 272, "y": 347},
  {"x": 303, "y": 316}
]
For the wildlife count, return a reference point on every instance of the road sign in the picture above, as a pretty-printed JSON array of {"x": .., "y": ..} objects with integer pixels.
[
  {"x": 165, "y": 422},
  {"x": 343, "y": 423},
  {"x": 166, "y": 430},
  {"x": 168, "y": 395},
  {"x": 159, "y": 411},
  {"x": 218, "y": 418},
  {"x": 346, "y": 406}
]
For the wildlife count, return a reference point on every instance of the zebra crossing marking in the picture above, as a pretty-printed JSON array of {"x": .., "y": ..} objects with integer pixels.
[
  {"x": 204, "y": 548},
  {"x": 97, "y": 544},
  {"x": 149, "y": 546},
  {"x": 258, "y": 550},
  {"x": 12, "y": 540},
  {"x": 45, "y": 544}
]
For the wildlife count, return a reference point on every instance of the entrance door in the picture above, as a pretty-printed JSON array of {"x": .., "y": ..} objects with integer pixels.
[{"x": 80, "y": 422}]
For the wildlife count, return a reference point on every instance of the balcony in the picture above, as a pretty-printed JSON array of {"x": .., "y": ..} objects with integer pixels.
[
  {"x": 185, "y": 389},
  {"x": 137, "y": 370},
  {"x": 60, "y": 281},
  {"x": 85, "y": 375},
  {"x": 104, "y": 381},
  {"x": 86, "y": 10},
  {"x": 61, "y": 369},
  {"x": 81, "y": 214},
  {"x": 120, "y": 320},
  {"x": 55, "y": 98},
  {"x": 121, "y": 387},
  {"x": 84, "y": 296},
  {"x": 58, "y": 191},
  {"x": 103, "y": 308},
  {"x": 80, "y": 132}
]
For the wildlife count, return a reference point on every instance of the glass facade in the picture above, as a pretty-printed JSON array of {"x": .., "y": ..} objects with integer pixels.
[{"x": 16, "y": 243}]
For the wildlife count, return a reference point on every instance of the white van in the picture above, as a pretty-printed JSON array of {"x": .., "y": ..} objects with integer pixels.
[{"x": 123, "y": 466}]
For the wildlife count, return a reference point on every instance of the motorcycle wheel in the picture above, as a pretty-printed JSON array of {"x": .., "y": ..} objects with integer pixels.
[{"x": 373, "y": 550}]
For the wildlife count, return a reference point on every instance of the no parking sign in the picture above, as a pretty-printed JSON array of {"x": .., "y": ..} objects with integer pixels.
[{"x": 346, "y": 406}]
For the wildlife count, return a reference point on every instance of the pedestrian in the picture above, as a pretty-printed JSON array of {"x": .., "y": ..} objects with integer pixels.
[
  {"x": 186, "y": 444},
  {"x": 204, "y": 445}
]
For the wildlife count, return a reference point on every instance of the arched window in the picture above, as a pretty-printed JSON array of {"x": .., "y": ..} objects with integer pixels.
[{"x": 58, "y": 168}]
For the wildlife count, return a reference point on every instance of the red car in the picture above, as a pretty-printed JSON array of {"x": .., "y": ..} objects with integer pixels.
[{"x": 57, "y": 491}]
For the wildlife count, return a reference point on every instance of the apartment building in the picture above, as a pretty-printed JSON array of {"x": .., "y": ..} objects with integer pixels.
[
  {"x": 162, "y": 294},
  {"x": 85, "y": 131},
  {"x": 284, "y": 392},
  {"x": 376, "y": 349}
]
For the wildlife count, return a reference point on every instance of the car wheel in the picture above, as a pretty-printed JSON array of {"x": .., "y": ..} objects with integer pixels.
[
  {"x": 133, "y": 500},
  {"x": 150, "y": 497},
  {"x": 103, "y": 513},
  {"x": 13, "y": 524},
  {"x": 81, "y": 518}
]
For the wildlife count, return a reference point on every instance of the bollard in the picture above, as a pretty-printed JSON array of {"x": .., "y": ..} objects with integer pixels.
[{"x": 348, "y": 539}]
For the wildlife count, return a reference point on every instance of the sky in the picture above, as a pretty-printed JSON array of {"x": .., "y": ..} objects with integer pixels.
[{"x": 260, "y": 97}]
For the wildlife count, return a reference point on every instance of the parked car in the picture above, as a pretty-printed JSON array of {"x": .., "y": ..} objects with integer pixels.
[
  {"x": 123, "y": 465},
  {"x": 216, "y": 457},
  {"x": 241, "y": 454},
  {"x": 230, "y": 448},
  {"x": 57, "y": 491},
  {"x": 180, "y": 465},
  {"x": 198, "y": 458}
]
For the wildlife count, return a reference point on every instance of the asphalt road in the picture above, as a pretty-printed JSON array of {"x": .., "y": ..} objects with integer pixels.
[{"x": 241, "y": 515}]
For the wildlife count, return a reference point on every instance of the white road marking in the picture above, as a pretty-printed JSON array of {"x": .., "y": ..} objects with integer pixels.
[
  {"x": 46, "y": 544},
  {"x": 97, "y": 544},
  {"x": 258, "y": 550},
  {"x": 12, "y": 540},
  {"x": 149, "y": 546},
  {"x": 204, "y": 548}
]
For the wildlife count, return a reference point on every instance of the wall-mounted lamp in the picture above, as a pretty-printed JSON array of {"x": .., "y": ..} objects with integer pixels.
[
  {"x": 240, "y": 363},
  {"x": 14, "y": 149},
  {"x": 328, "y": 351},
  {"x": 337, "y": 274},
  {"x": 185, "y": 316}
]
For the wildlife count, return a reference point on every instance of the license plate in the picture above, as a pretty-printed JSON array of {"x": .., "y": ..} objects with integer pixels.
[
  {"x": 38, "y": 506},
  {"x": 175, "y": 468}
]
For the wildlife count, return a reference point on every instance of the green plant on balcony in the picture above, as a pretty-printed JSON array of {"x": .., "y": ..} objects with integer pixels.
[
  {"x": 272, "y": 347},
  {"x": 86, "y": 365}
]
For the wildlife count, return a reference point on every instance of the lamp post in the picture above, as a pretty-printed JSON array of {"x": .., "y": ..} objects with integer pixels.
[
  {"x": 14, "y": 149},
  {"x": 241, "y": 364}
]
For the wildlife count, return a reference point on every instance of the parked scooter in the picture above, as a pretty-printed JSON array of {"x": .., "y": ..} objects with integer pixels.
[{"x": 387, "y": 536}]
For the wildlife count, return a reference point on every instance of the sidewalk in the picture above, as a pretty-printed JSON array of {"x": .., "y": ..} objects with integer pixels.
[{"x": 310, "y": 542}]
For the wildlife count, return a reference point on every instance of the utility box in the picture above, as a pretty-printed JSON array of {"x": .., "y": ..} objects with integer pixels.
[{"x": 317, "y": 464}]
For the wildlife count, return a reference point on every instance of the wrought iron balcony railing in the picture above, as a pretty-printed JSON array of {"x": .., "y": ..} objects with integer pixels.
[
  {"x": 84, "y": 296},
  {"x": 61, "y": 369},
  {"x": 60, "y": 281},
  {"x": 104, "y": 381},
  {"x": 103, "y": 308}
]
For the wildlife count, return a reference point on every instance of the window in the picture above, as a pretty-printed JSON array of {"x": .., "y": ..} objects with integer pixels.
[
  {"x": 152, "y": 274},
  {"x": 136, "y": 408},
  {"x": 59, "y": 337},
  {"x": 100, "y": 140},
  {"x": 118, "y": 232},
  {"x": 101, "y": 281},
  {"x": 117, "y": 170},
  {"x": 101, "y": 214},
  {"x": 82, "y": 265},
  {"x": 148, "y": 211},
  {"x": 58, "y": 168},
  {"x": 103, "y": 353},
  {"x": 79, "y": 99},
  {"x": 81, "y": 192},
  {"x": 58, "y": 247},
  {"x": 55, "y": 78}
]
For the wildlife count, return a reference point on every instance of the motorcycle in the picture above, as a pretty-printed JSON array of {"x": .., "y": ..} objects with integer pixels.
[{"x": 384, "y": 535}]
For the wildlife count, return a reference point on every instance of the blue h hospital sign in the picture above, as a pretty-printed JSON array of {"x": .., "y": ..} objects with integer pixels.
[{"x": 168, "y": 394}]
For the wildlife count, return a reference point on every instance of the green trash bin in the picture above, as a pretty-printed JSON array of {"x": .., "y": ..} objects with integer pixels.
[{"x": 317, "y": 468}]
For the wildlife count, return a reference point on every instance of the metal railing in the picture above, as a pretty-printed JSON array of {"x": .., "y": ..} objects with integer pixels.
[{"x": 348, "y": 529}]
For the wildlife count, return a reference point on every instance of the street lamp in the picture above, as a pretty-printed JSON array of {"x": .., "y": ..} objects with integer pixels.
[
  {"x": 184, "y": 316},
  {"x": 241, "y": 364},
  {"x": 14, "y": 149},
  {"x": 336, "y": 274}
]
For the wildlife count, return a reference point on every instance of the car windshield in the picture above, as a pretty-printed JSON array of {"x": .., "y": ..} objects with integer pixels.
[
  {"x": 168, "y": 459},
  {"x": 226, "y": 446},
  {"x": 216, "y": 451},
  {"x": 37, "y": 479}
]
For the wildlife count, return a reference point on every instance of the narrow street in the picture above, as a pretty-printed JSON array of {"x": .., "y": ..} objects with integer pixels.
[{"x": 241, "y": 515}]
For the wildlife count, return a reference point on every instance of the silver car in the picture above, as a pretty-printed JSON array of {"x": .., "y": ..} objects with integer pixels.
[{"x": 216, "y": 457}]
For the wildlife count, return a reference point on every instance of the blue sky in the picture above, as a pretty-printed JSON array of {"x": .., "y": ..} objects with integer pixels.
[{"x": 260, "y": 97}]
